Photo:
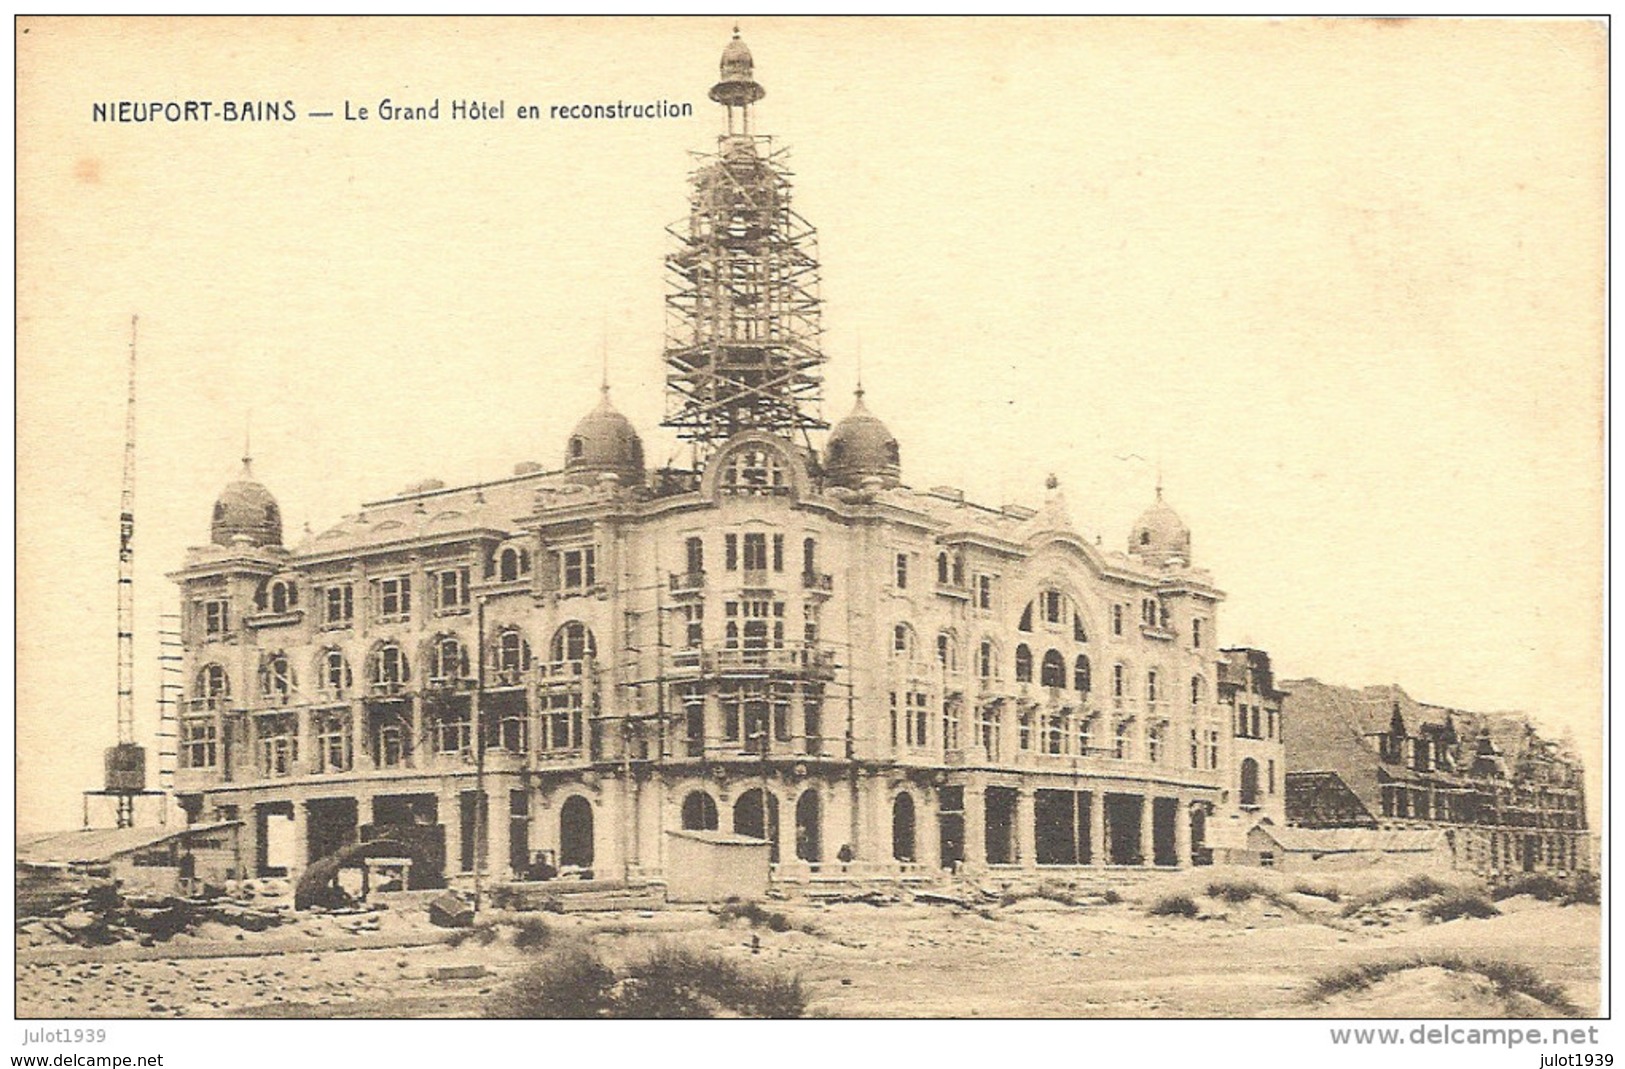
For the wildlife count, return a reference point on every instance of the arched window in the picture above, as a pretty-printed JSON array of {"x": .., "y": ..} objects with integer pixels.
[
  {"x": 902, "y": 828},
  {"x": 1024, "y": 664},
  {"x": 902, "y": 645},
  {"x": 575, "y": 832},
  {"x": 448, "y": 660},
  {"x": 513, "y": 564},
  {"x": 809, "y": 827},
  {"x": 1080, "y": 675},
  {"x": 573, "y": 644},
  {"x": 699, "y": 812},
  {"x": 750, "y": 820},
  {"x": 276, "y": 678},
  {"x": 577, "y": 447},
  {"x": 1249, "y": 782},
  {"x": 948, "y": 651},
  {"x": 1026, "y": 623},
  {"x": 1078, "y": 634},
  {"x": 213, "y": 687},
  {"x": 390, "y": 667},
  {"x": 335, "y": 675},
  {"x": 1053, "y": 671},
  {"x": 279, "y": 595},
  {"x": 512, "y": 655}
]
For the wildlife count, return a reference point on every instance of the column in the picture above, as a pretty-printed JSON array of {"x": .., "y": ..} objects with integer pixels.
[
  {"x": 1182, "y": 832},
  {"x": 1147, "y": 848},
  {"x": 1026, "y": 833},
  {"x": 975, "y": 824},
  {"x": 1099, "y": 848}
]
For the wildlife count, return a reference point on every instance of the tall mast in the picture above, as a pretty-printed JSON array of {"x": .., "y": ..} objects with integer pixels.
[{"x": 126, "y": 566}]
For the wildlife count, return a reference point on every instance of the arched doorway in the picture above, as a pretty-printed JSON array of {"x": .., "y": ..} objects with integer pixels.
[
  {"x": 748, "y": 819},
  {"x": 902, "y": 828},
  {"x": 699, "y": 812},
  {"x": 809, "y": 835},
  {"x": 575, "y": 832},
  {"x": 1249, "y": 782}
]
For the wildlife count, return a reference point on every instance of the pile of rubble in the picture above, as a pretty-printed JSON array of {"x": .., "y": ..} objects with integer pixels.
[{"x": 100, "y": 916}]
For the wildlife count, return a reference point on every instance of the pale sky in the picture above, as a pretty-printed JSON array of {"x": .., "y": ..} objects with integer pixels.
[{"x": 1341, "y": 279}]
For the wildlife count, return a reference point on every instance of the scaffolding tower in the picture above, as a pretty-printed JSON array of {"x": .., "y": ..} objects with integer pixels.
[{"x": 743, "y": 347}]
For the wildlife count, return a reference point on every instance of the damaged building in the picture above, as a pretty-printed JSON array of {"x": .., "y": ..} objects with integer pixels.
[
  {"x": 1508, "y": 800},
  {"x": 780, "y": 640}
]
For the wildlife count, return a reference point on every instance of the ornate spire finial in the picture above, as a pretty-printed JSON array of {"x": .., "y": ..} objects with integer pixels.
[{"x": 248, "y": 440}]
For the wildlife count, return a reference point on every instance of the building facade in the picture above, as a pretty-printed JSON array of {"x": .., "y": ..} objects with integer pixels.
[
  {"x": 780, "y": 639},
  {"x": 1508, "y": 800}
]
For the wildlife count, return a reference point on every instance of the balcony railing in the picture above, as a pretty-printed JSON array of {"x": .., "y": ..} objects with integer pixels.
[
  {"x": 792, "y": 659},
  {"x": 818, "y": 582},
  {"x": 687, "y": 582}
]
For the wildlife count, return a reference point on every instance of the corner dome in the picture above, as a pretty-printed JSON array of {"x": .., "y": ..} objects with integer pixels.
[
  {"x": 1160, "y": 536},
  {"x": 246, "y": 509},
  {"x": 604, "y": 442},
  {"x": 860, "y": 447}
]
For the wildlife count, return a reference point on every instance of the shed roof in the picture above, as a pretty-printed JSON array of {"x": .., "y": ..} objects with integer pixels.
[
  {"x": 96, "y": 845},
  {"x": 1356, "y": 840},
  {"x": 718, "y": 838}
]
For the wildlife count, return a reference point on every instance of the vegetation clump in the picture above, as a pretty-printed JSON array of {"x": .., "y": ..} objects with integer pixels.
[
  {"x": 735, "y": 909},
  {"x": 669, "y": 982},
  {"x": 1174, "y": 906},
  {"x": 1509, "y": 979}
]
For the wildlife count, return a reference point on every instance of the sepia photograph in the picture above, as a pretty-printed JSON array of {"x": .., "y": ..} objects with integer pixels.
[{"x": 811, "y": 517}]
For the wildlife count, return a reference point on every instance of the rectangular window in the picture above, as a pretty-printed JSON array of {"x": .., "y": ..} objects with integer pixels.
[
  {"x": 730, "y": 702},
  {"x": 216, "y": 616},
  {"x": 809, "y": 557},
  {"x": 333, "y": 742},
  {"x": 1196, "y": 633},
  {"x": 984, "y": 592},
  {"x": 756, "y": 552},
  {"x": 1024, "y": 730},
  {"x": 987, "y": 729},
  {"x": 730, "y": 547},
  {"x": 394, "y": 598},
  {"x": 950, "y": 725},
  {"x": 902, "y": 571},
  {"x": 1271, "y": 780},
  {"x": 452, "y": 589},
  {"x": 579, "y": 568},
  {"x": 1213, "y": 749},
  {"x": 560, "y": 722},
  {"x": 694, "y": 625},
  {"x": 894, "y": 720},
  {"x": 1052, "y": 606},
  {"x": 916, "y": 718},
  {"x": 279, "y": 745},
  {"x": 1272, "y": 727},
  {"x": 778, "y": 553},
  {"x": 809, "y": 627},
  {"x": 338, "y": 605},
  {"x": 1117, "y": 619},
  {"x": 694, "y": 552},
  {"x": 198, "y": 744},
  {"x": 1086, "y": 738}
]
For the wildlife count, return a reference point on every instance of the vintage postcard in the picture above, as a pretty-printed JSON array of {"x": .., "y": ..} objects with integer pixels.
[{"x": 812, "y": 517}]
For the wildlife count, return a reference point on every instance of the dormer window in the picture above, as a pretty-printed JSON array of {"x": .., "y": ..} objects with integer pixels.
[{"x": 753, "y": 470}]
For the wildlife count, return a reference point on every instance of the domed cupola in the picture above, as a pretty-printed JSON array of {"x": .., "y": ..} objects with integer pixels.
[
  {"x": 1160, "y": 536},
  {"x": 604, "y": 442},
  {"x": 737, "y": 85},
  {"x": 861, "y": 448},
  {"x": 246, "y": 510}
]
